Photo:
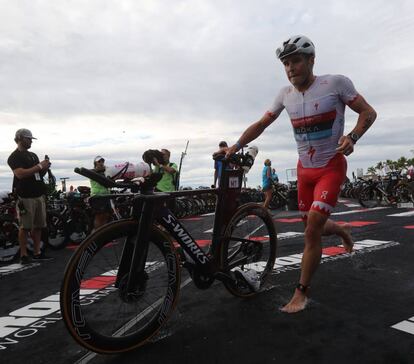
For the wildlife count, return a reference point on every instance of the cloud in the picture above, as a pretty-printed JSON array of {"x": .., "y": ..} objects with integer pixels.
[{"x": 119, "y": 77}]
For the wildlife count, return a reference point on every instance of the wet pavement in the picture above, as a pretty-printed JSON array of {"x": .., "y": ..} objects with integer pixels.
[{"x": 361, "y": 308}]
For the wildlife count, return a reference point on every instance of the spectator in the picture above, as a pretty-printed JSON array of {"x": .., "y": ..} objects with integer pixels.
[
  {"x": 275, "y": 177},
  {"x": 267, "y": 182},
  {"x": 410, "y": 172},
  {"x": 30, "y": 189},
  {"x": 168, "y": 170},
  {"x": 218, "y": 165},
  {"x": 101, "y": 208}
]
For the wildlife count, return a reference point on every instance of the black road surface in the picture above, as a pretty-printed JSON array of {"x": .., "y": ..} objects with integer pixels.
[{"x": 361, "y": 308}]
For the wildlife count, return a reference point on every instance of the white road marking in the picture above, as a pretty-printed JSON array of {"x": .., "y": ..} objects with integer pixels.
[
  {"x": 404, "y": 214},
  {"x": 288, "y": 235},
  {"x": 359, "y": 211},
  {"x": 406, "y": 326},
  {"x": 16, "y": 267}
]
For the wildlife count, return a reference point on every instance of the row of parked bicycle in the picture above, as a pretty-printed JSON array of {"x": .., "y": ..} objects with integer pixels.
[
  {"x": 373, "y": 191},
  {"x": 68, "y": 220},
  {"x": 70, "y": 216}
]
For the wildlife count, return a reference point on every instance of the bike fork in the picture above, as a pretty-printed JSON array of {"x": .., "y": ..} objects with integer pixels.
[{"x": 132, "y": 265}]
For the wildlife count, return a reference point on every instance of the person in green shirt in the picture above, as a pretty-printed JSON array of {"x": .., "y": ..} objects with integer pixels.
[
  {"x": 168, "y": 170},
  {"x": 102, "y": 209}
]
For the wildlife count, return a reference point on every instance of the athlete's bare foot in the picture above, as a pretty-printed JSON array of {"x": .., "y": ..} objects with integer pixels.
[
  {"x": 297, "y": 303},
  {"x": 347, "y": 241}
]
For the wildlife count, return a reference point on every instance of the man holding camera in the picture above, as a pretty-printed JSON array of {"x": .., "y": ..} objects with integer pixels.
[
  {"x": 29, "y": 187},
  {"x": 168, "y": 170}
]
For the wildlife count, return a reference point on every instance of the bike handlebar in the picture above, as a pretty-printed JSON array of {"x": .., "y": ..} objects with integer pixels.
[
  {"x": 150, "y": 181},
  {"x": 239, "y": 159},
  {"x": 102, "y": 180}
]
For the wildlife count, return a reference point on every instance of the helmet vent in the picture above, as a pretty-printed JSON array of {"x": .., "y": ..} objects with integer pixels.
[{"x": 295, "y": 44}]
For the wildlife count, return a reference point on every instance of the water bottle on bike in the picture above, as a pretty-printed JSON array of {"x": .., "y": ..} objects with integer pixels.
[{"x": 128, "y": 170}]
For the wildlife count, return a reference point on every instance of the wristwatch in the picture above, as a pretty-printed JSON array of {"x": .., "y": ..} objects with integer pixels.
[{"x": 354, "y": 137}]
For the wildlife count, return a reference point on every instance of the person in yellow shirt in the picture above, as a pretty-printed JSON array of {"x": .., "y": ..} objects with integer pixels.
[
  {"x": 168, "y": 170},
  {"x": 102, "y": 209}
]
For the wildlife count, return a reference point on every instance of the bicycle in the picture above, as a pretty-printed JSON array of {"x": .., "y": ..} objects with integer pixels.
[
  {"x": 279, "y": 195},
  {"x": 374, "y": 193},
  {"x": 9, "y": 230},
  {"x": 134, "y": 269}
]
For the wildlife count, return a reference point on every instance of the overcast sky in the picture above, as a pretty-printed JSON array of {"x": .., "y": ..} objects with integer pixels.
[{"x": 115, "y": 78}]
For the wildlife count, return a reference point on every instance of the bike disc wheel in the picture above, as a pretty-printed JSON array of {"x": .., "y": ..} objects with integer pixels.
[
  {"x": 249, "y": 244},
  {"x": 98, "y": 312}
]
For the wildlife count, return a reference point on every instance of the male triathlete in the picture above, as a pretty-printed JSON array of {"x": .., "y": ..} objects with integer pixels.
[{"x": 316, "y": 106}]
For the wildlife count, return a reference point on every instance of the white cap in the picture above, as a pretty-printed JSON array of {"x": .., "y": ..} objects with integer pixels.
[{"x": 98, "y": 158}]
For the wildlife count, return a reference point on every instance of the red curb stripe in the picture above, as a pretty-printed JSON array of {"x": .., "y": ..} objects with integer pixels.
[
  {"x": 201, "y": 243},
  {"x": 333, "y": 250},
  {"x": 98, "y": 282},
  {"x": 259, "y": 238},
  {"x": 296, "y": 219},
  {"x": 357, "y": 223}
]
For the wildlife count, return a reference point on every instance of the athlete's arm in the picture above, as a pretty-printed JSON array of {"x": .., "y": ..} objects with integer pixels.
[
  {"x": 252, "y": 132},
  {"x": 366, "y": 118},
  {"x": 367, "y": 115}
]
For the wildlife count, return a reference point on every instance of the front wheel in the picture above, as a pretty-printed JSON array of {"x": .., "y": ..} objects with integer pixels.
[
  {"x": 249, "y": 245},
  {"x": 96, "y": 307},
  {"x": 370, "y": 197}
]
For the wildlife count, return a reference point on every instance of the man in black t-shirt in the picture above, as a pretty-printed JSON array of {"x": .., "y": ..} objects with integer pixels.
[{"x": 28, "y": 185}]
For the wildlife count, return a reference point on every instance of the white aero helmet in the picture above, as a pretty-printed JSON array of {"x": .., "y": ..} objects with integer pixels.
[{"x": 295, "y": 44}]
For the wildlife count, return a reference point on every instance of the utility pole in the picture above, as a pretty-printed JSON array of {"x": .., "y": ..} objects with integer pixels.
[
  {"x": 63, "y": 179},
  {"x": 177, "y": 180}
]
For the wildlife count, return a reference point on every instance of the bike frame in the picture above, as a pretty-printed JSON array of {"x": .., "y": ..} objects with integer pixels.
[{"x": 150, "y": 207}]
